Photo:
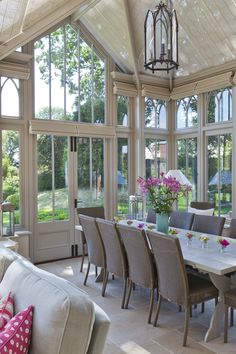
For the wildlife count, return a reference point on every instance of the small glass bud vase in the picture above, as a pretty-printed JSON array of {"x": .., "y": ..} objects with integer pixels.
[
  {"x": 189, "y": 242},
  {"x": 204, "y": 244},
  {"x": 223, "y": 249}
]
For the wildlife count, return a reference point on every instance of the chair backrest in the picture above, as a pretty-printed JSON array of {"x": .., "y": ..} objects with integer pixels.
[
  {"x": 151, "y": 216},
  {"x": 209, "y": 224},
  {"x": 142, "y": 269},
  {"x": 232, "y": 228},
  {"x": 116, "y": 260},
  {"x": 96, "y": 212},
  {"x": 96, "y": 252},
  {"x": 202, "y": 205},
  {"x": 182, "y": 220},
  {"x": 172, "y": 278}
]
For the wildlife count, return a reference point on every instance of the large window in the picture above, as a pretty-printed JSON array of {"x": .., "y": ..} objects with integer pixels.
[
  {"x": 187, "y": 163},
  {"x": 122, "y": 176},
  {"x": 155, "y": 156},
  {"x": 219, "y": 106},
  {"x": 71, "y": 74},
  {"x": 10, "y": 170},
  {"x": 90, "y": 172},
  {"x": 52, "y": 153},
  {"x": 187, "y": 112},
  {"x": 155, "y": 113},
  {"x": 9, "y": 92},
  {"x": 220, "y": 172}
]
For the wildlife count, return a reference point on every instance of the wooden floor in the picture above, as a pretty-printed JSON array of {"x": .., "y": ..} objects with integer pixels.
[{"x": 129, "y": 331}]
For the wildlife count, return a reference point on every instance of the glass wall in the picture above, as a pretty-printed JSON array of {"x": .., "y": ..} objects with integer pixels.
[
  {"x": 219, "y": 106},
  {"x": 52, "y": 157},
  {"x": 219, "y": 164},
  {"x": 9, "y": 93},
  {"x": 155, "y": 156},
  {"x": 123, "y": 110},
  {"x": 122, "y": 176}
]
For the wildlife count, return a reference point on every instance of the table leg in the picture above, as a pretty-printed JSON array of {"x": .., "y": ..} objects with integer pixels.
[{"x": 223, "y": 284}]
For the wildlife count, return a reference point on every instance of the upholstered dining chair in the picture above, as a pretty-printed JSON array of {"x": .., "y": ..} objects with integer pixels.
[
  {"x": 96, "y": 251},
  {"x": 230, "y": 301},
  {"x": 95, "y": 212},
  {"x": 232, "y": 228},
  {"x": 174, "y": 284},
  {"x": 116, "y": 260},
  {"x": 182, "y": 220},
  {"x": 203, "y": 205},
  {"x": 142, "y": 268},
  {"x": 208, "y": 224},
  {"x": 151, "y": 216}
]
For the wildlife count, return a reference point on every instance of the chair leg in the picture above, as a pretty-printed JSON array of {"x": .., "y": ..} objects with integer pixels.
[
  {"x": 130, "y": 283},
  {"x": 203, "y": 307},
  {"x": 151, "y": 306},
  {"x": 82, "y": 261},
  {"x": 157, "y": 310},
  {"x": 87, "y": 273},
  {"x": 191, "y": 312},
  {"x": 231, "y": 316},
  {"x": 96, "y": 271},
  {"x": 180, "y": 308},
  {"x": 124, "y": 293},
  {"x": 226, "y": 325},
  {"x": 187, "y": 315},
  {"x": 113, "y": 277},
  {"x": 104, "y": 284}
]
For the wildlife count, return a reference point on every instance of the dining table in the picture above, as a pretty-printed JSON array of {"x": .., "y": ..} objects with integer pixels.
[{"x": 207, "y": 257}]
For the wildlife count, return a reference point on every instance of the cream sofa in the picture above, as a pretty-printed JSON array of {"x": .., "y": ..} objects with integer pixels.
[{"x": 65, "y": 320}]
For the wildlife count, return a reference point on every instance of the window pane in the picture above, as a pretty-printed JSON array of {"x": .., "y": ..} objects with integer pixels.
[
  {"x": 187, "y": 163},
  {"x": 219, "y": 105},
  {"x": 52, "y": 156},
  {"x": 85, "y": 82},
  {"x": 155, "y": 157},
  {"x": 99, "y": 89},
  {"x": 10, "y": 97},
  {"x": 220, "y": 172},
  {"x": 187, "y": 112},
  {"x": 155, "y": 113},
  {"x": 45, "y": 193},
  {"x": 10, "y": 170},
  {"x": 122, "y": 176},
  {"x": 90, "y": 172},
  {"x": 61, "y": 207},
  {"x": 122, "y": 110}
]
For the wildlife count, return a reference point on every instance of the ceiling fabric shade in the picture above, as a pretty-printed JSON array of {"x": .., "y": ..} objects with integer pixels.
[
  {"x": 124, "y": 89},
  {"x": 161, "y": 38},
  {"x": 205, "y": 85},
  {"x": 155, "y": 92}
]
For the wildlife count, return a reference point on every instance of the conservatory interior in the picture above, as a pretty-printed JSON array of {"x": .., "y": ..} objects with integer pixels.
[{"x": 82, "y": 117}]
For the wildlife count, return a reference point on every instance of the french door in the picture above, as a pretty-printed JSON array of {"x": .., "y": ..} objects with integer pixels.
[{"x": 70, "y": 174}]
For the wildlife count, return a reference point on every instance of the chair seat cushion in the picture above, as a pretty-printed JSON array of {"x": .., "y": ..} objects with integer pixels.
[
  {"x": 200, "y": 289},
  {"x": 230, "y": 298}
]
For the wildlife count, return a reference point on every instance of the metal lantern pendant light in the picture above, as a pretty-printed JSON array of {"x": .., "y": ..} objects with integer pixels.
[{"x": 161, "y": 38}]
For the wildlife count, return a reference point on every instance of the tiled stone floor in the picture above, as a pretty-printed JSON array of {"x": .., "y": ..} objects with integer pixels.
[{"x": 129, "y": 331}]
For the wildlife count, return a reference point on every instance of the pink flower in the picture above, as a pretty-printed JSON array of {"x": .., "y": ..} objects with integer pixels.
[{"x": 223, "y": 242}]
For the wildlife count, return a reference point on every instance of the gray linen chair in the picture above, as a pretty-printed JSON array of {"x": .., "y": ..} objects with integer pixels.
[
  {"x": 232, "y": 228},
  {"x": 116, "y": 260},
  {"x": 95, "y": 212},
  {"x": 182, "y": 220},
  {"x": 151, "y": 216},
  {"x": 230, "y": 301},
  {"x": 96, "y": 251},
  {"x": 203, "y": 205},
  {"x": 142, "y": 269},
  {"x": 174, "y": 284},
  {"x": 208, "y": 224}
]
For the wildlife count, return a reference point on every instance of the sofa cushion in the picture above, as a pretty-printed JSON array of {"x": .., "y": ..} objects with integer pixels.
[
  {"x": 6, "y": 309},
  {"x": 63, "y": 314},
  {"x": 6, "y": 258},
  {"x": 15, "y": 338}
]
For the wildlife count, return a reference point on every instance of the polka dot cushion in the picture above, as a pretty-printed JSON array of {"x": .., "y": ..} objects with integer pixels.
[
  {"x": 6, "y": 310},
  {"x": 15, "y": 338}
]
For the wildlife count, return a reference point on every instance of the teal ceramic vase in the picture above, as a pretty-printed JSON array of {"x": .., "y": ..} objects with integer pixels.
[{"x": 162, "y": 223}]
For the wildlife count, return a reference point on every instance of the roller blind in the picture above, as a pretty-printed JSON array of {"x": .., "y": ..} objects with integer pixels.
[
  {"x": 156, "y": 92},
  {"x": 124, "y": 89}
]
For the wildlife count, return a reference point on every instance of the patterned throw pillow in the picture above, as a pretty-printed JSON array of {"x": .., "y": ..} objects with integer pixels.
[
  {"x": 6, "y": 310},
  {"x": 15, "y": 338}
]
